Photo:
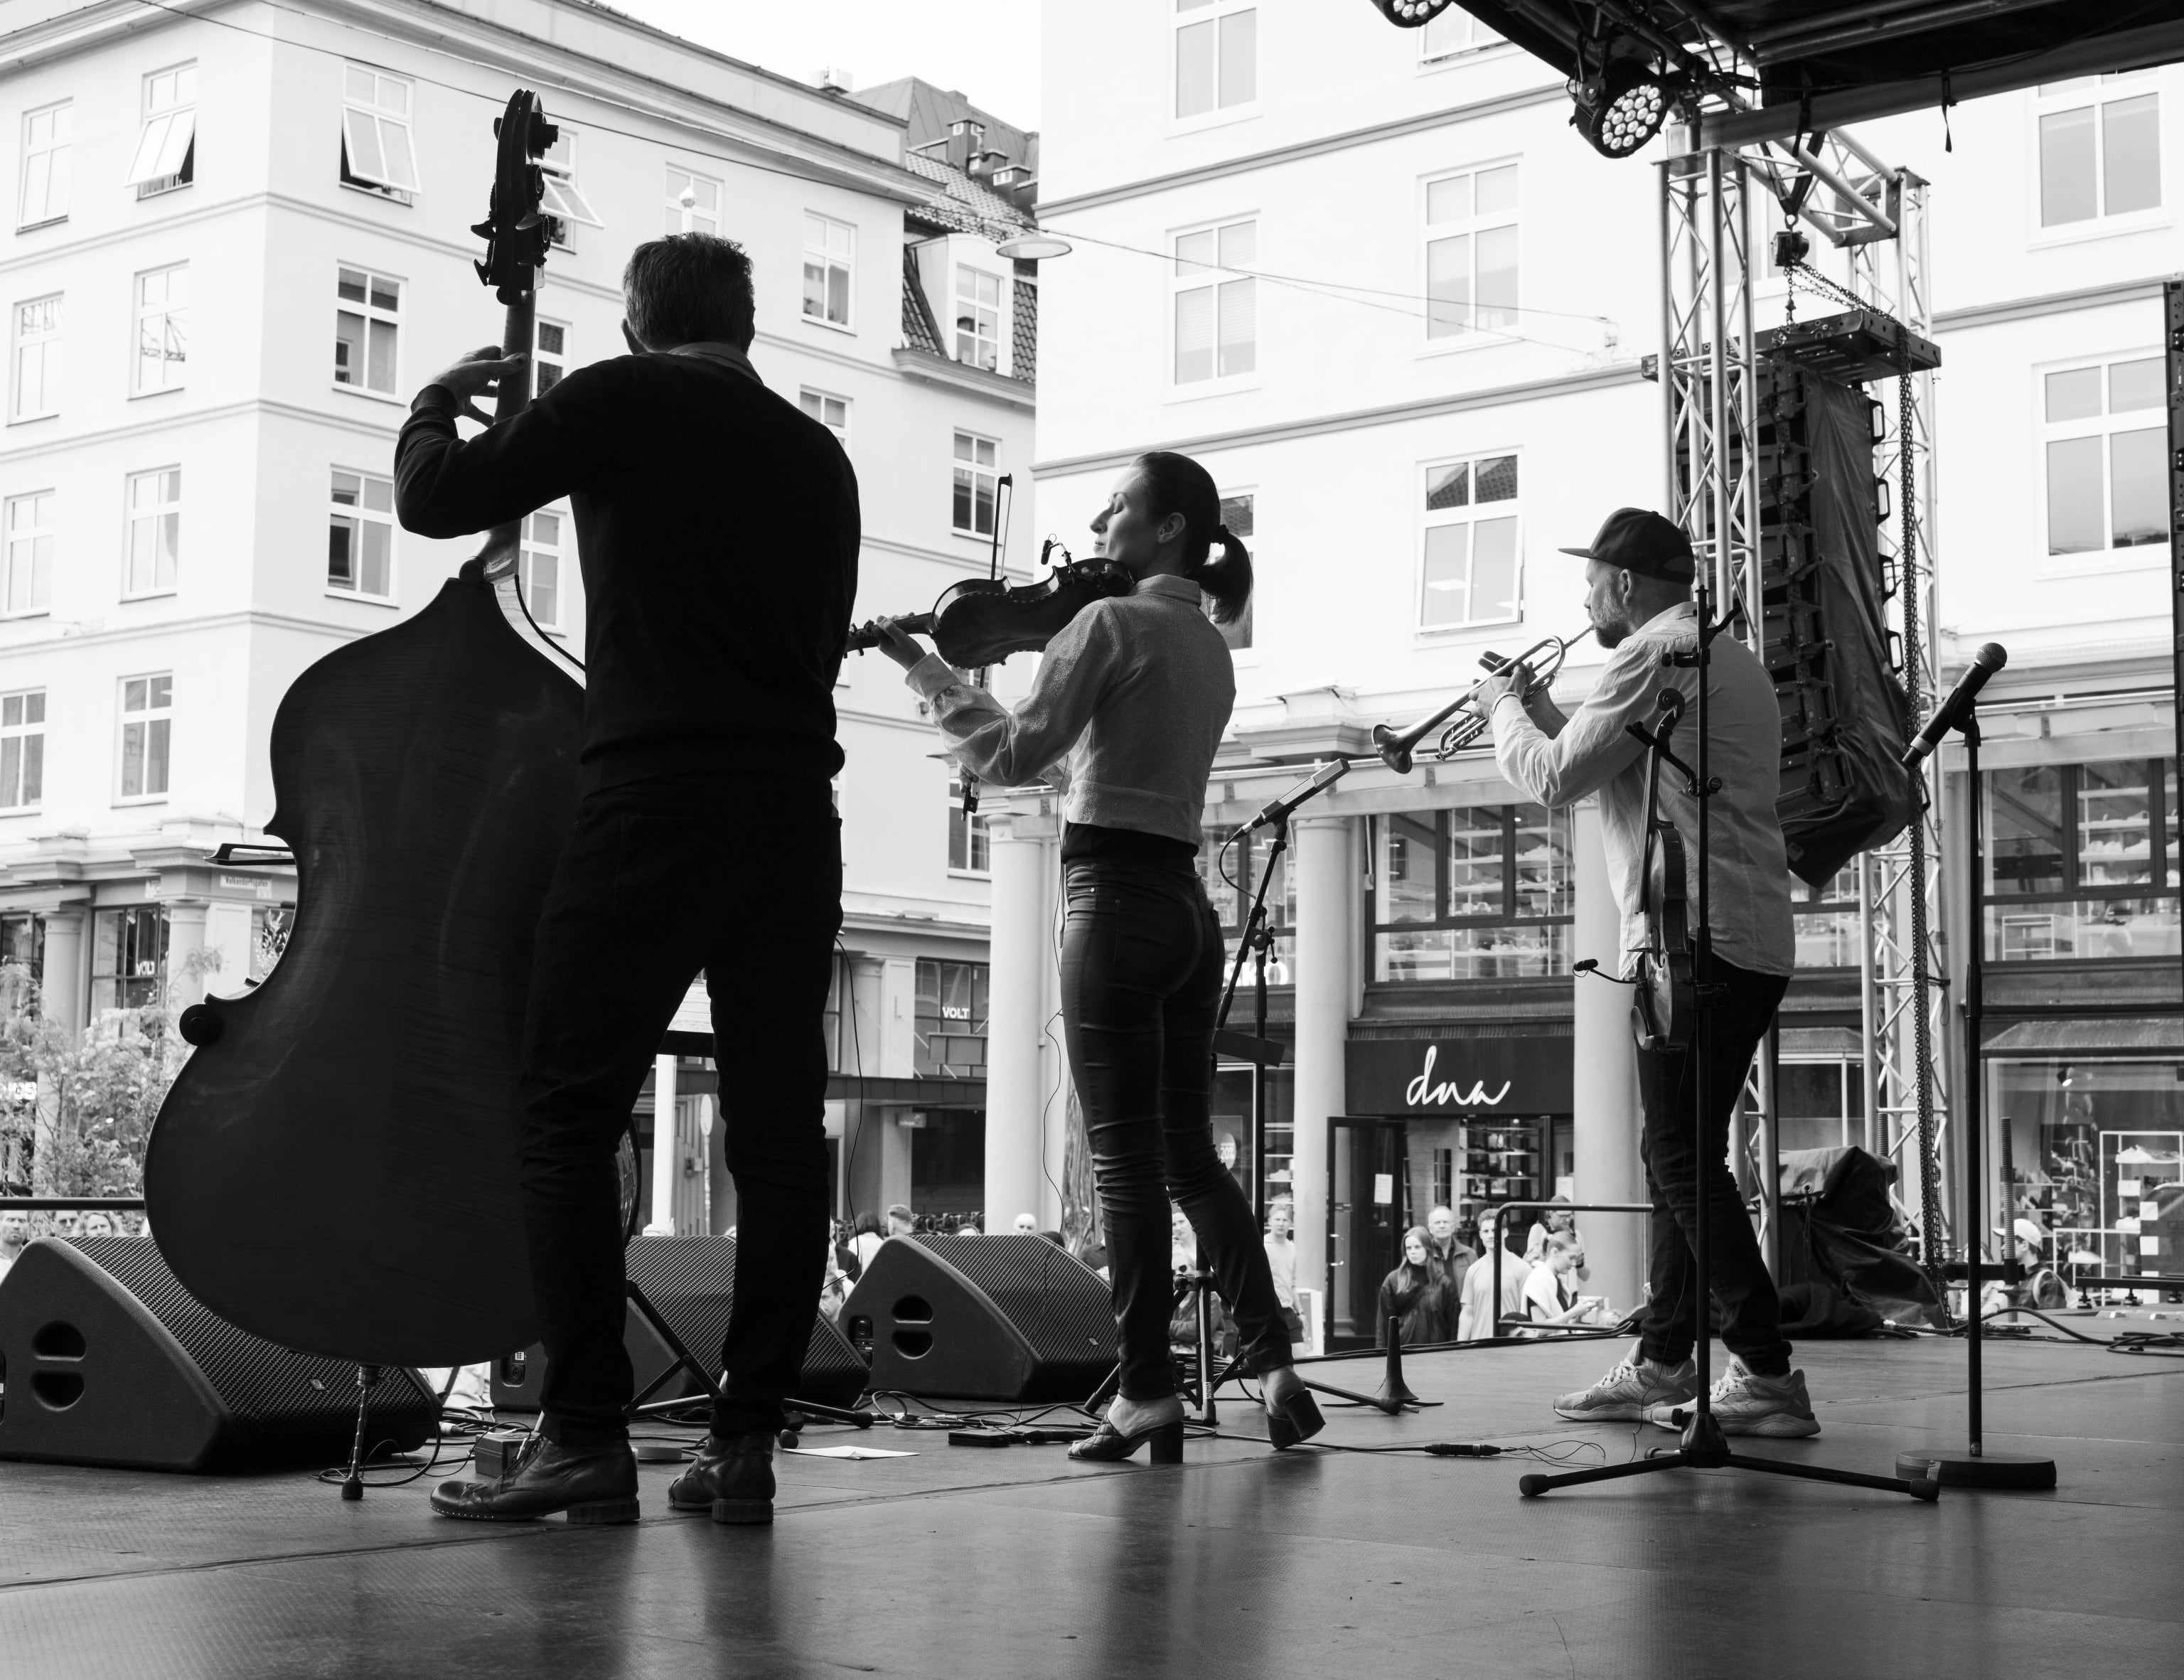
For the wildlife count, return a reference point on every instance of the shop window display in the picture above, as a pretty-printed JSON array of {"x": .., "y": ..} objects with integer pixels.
[
  {"x": 2097, "y": 1151},
  {"x": 1481, "y": 892},
  {"x": 951, "y": 1018},
  {"x": 2082, "y": 861}
]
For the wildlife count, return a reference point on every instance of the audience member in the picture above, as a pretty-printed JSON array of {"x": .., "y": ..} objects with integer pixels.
[
  {"x": 1413, "y": 1295},
  {"x": 2041, "y": 1287},
  {"x": 1478, "y": 1318},
  {"x": 833, "y": 1287},
  {"x": 865, "y": 1238},
  {"x": 899, "y": 1221},
  {"x": 1550, "y": 1297},
  {"x": 969, "y": 1228},
  {"x": 1028, "y": 1223},
  {"x": 94, "y": 1224},
  {"x": 1281, "y": 1260},
  {"x": 15, "y": 1237},
  {"x": 1557, "y": 1216},
  {"x": 1446, "y": 1251}
]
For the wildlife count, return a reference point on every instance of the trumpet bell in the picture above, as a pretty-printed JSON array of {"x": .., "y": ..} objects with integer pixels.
[{"x": 1394, "y": 749}]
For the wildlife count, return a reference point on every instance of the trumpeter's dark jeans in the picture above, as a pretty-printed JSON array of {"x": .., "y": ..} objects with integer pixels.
[
  {"x": 1686, "y": 1158},
  {"x": 1141, "y": 973},
  {"x": 659, "y": 880}
]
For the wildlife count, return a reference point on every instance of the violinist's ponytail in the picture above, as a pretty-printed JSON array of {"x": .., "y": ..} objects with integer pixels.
[{"x": 1178, "y": 484}]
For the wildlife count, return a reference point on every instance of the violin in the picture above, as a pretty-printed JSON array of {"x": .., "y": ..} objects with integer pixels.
[
  {"x": 1664, "y": 999},
  {"x": 981, "y": 621},
  {"x": 335, "y": 1167}
]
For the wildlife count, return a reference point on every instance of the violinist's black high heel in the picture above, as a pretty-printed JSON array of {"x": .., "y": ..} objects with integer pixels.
[
  {"x": 1108, "y": 1445},
  {"x": 1293, "y": 1418}
]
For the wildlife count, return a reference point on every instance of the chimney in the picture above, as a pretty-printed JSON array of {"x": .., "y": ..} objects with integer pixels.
[
  {"x": 834, "y": 80},
  {"x": 966, "y": 139},
  {"x": 985, "y": 162}
]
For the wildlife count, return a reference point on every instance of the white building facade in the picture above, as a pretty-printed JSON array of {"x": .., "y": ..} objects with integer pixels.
[
  {"x": 240, "y": 241},
  {"x": 1376, "y": 284}
]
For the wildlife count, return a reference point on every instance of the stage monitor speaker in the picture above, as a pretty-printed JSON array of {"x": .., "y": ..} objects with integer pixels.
[
  {"x": 692, "y": 1282},
  {"x": 1007, "y": 1317},
  {"x": 105, "y": 1359}
]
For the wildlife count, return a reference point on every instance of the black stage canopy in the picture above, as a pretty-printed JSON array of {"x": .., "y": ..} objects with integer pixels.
[{"x": 1820, "y": 64}]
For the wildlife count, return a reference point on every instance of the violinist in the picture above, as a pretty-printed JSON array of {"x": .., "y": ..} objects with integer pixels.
[
  {"x": 717, "y": 526},
  {"x": 1639, "y": 572},
  {"x": 1124, "y": 717}
]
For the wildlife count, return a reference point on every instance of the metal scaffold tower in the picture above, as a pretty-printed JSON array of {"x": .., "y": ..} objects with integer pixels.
[{"x": 1872, "y": 218}]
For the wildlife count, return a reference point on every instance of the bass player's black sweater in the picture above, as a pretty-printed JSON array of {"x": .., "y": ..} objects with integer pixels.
[{"x": 717, "y": 528}]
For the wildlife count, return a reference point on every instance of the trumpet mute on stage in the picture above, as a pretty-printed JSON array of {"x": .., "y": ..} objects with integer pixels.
[{"x": 1544, "y": 658}]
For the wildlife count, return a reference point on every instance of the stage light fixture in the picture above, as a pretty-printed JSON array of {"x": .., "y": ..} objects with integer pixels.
[
  {"x": 1411, "y": 13},
  {"x": 1622, "y": 107}
]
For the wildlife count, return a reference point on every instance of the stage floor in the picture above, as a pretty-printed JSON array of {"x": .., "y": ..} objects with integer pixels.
[{"x": 963, "y": 1563}]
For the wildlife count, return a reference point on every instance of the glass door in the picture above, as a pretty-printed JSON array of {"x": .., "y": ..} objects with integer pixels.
[{"x": 1368, "y": 1211}]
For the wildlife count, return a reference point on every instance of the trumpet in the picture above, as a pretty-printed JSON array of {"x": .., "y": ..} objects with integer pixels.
[{"x": 1544, "y": 658}]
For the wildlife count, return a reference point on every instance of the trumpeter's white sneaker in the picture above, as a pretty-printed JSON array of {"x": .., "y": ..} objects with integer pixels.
[
  {"x": 1745, "y": 1403},
  {"x": 1625, "y": 1393}
]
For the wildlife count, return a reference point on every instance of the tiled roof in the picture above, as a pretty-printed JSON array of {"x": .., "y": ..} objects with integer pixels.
[
  {"x": 1023, "y": 345},
  {"x": 959, "y": 203},
  {"x": 920, "y": 331}
]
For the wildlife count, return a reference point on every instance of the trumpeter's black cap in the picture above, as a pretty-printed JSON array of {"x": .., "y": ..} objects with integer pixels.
[{"x": 1637, "y": 540}]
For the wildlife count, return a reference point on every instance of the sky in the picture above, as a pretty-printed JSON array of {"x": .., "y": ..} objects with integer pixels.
[{"x": 986, "y": 49}]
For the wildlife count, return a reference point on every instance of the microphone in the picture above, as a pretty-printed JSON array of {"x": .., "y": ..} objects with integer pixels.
[
  {"x": 1275, "y": 809},
  {"x": 1946, "y": 716}
]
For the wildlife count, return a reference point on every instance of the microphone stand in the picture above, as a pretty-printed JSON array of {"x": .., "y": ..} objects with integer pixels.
[
  {"x": 1973, "y": 1465},
  {"x": 1703, "y": 1446}
]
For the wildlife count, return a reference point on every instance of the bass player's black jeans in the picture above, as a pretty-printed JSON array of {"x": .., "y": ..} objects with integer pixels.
[
  {"x": 659, "y": 880},
  {"x": 1687, "y": 1160},
  {"x": 1141, "y": 973}
]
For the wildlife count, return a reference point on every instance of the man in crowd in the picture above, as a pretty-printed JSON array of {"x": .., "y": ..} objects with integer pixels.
[
  {"x": 1639, "y": 573},
  {"x": 15, "y": 1237},
  {"x": 1480, "y": 1313},
  {"x": 718, "y": 529},
  {"x": 901, "y": 1222},
  {"x": 1446, "y": 1253}
]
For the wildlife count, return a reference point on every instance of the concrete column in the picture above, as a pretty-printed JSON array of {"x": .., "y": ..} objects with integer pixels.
[
  {"x": 666, "y": 1152},
  {"x": 1016, "y": 1017},
  {"x": 1325, "y": 900},
  {"x": 1604, "y": 1079},
  {"x": 186, "y": 944},
  {"x": 63, "y": 982}
]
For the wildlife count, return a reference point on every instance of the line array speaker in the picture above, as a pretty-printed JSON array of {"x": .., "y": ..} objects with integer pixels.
[
  {"x": 1007, "y": 1316},
  {"x": 692, "y": 1282},
  {"x": 105, "y": 1359}
]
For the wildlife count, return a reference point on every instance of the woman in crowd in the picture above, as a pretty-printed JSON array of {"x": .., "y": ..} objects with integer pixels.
[
  {"x": 866, "y": 1239},
  {"x": 1124, "y": 717},
  {"x": 1414, "y": 1296}
]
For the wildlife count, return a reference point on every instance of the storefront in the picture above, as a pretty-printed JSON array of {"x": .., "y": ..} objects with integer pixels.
[{"x": 1465, "y": 1119}]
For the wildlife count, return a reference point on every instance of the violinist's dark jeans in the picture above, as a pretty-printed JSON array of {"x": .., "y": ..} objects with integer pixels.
[
  {"x": 659, "y": 880},
  {"x": 1679, "y": 1152},
  {"x": 1141, "y": 973}
]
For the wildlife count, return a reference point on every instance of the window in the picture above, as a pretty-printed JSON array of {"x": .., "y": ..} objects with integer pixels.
[
  {"x": 1230, "y": 895},
  {"x": 1481, "y": 892},
  {"x": 828, "y": 246},
  {"x": 1454, "y": 31},
  {"x": 2100, "y": 147},
  {"x": 360, "y": 535},
  {"x": 163, "y": 328},
  {"x": 979, "y": 319},
  {"x": 1236, "y": 513},
  {"x": 166, "y": 146},
  {"x": 565, "y": 200},
  {"x": 147, "y": 704},
  {"x": 541, "y": 565},
  {"x": 1470, "y": 570},
  {"x": 951, "y": 1018},
  {"x": 378, "y": 153},
  {"x": 28, "y": 586},
  {"x": 701, "y": 214},
  {"x": 2107, "y": 478},
  {"x": 44, "y": 195},
  {"x": 1471, "y": 252},
  {"x": 367, "y": 326},
  {"x": 1216, "y": 326},
  {"x": 37, "y": 359},
  {"x": 1217, "y": 56},
  {"x": 2082, "y": 861},
  {"x": 128, "y": 958},
  {"x": 1831, "y": 932},
  {"x": 549, "y": 354},
  {"x": 978, "y": 467},
  {"x": 830, "y": 411},
  {"x": 969, "y": 847},
  {"x": 155, "y": 531},
  {"x": 22, "y": 749},
  {"x": 23, "y": 944}
]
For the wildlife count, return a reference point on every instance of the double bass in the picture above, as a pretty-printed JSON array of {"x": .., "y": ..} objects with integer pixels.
[{"x": 335, "y": 1168}]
